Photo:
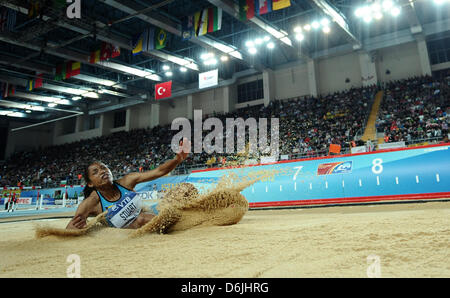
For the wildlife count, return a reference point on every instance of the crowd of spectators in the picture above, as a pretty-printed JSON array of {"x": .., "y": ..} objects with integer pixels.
[
  {"x": 307, "y": 126},
  {"x": 415, "y": 109}
]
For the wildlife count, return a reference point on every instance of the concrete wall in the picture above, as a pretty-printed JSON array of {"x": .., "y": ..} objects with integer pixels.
[
  {"x": 28, "y": 139},
  {"x": 333, "y": 72},
  {"x": 402, "y": 61},
  {"x": 291, "y": 82}
]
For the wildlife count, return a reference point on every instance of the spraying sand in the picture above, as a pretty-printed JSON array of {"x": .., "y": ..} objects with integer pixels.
[{"x": 181, "y": 208}]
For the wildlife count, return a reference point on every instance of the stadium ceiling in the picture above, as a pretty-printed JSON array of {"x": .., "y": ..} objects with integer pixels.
[{"x": 36, "y": 45}]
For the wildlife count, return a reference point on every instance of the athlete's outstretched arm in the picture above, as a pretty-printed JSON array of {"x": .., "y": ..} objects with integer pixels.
[
  {"x": 132, "y": 179},
  {"x": 88, "y": 207}
]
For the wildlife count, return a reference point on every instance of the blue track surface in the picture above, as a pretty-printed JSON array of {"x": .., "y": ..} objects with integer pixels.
[{"x": 31, "y": 212}]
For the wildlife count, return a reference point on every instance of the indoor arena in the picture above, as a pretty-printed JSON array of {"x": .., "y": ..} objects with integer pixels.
[{"x": 224, "y": 139}]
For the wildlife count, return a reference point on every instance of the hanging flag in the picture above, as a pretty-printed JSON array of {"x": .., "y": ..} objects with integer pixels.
[
  {"x": 34, "y": 83},
  {"x": 214, "y": 19},
  {"x": 3, "y": 18},
  {"x": 7, "y": 90},
  {"x": 38, "y": 82},
  {"x": 187, "y": 28},
  {"x": 67, "y": 70},
  {"x": 208, "y": 79},
  {"x": 246, "y": 9},
  {"x": 30, "y": 85},
  {"x": 160, "y": 39},
  {"x": 137, "y": 42},
  {"x": 163, "y": 90},
  {"x": 75, "y": 69},
  {"x": 280, "y": 4},
  {"x": 7, "y": 19},
  {"x": 115, "y": 51},
  {"x": 263, "y": 6},
  {"x": 106, "y": 51},
  {"x": 34, "y": 9},
  {"x": 95, "y": 57},
  {"x": 201, "y": 22}
]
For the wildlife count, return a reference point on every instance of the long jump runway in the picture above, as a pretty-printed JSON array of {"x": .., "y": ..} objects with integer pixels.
[{"x": 408, "y": 240}]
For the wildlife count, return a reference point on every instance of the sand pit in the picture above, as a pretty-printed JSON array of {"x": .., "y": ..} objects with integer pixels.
[{"x": 411, "y": 240}]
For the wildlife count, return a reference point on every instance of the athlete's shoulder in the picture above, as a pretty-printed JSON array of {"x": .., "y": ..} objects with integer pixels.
[{"x": 125, "y": 183}]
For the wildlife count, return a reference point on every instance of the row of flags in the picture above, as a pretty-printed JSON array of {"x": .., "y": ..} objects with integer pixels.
[
  {"x": 7, "y": 90},
  {"x": 8, "y": 19},
  {"x": 35, "y": 83},
  {"x": 67, "y": 70},
  {"x": 106, "y": 51},
  {"x": 202, "y": 22},
  {"x": 36, "y": 7},
  {"x": 151, "y": 39},
  {"x": 249, "y": 8}
]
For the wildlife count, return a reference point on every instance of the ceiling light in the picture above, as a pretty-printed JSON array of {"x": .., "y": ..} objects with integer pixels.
[
  {"x": 270, "y": 45},
  {"x": 169, "y": 74},
  {"x": 166, "y": 67},
  {"x": 298, "y": 29},
  {"x": 252, "y": 51},
  {"x": 249, "y": 44},
  {"x": 326, "y": 29},
  {"x": 213, "y": 61},
  {"x": 28, "y": 111},
  {"x": 52, "y": 105},
  {"x": 387, "y": 4},
  {"x": 325, "y": 22},
  {"x": 307, "y": 27},
  {"x": 315, "y": 24},
  {"x": 258, "y": 41},
  {"x": 76, "y": 98},
  {"x": 299, "y": 37},
  {"x": 378, "y": 16},
  {"x": 266, "y": 38},
  {"x": 206, "y": 56},
  {"x": 224, "y": 58},
  {"x": 367, "y": 19},
  {"x": 183, "y": 69},
  {"x": 395, "y": 11}
]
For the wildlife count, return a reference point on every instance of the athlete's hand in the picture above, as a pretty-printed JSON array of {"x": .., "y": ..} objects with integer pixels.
[
  {"x": 184, "y": 149},
  {"x": 77, "y": 223}
]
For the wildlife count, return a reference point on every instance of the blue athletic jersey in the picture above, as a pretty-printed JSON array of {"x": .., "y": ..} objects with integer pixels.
[{"x": 107, "y": 204}]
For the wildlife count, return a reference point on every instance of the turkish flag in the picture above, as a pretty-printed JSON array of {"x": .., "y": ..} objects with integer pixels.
[{"x": 163, "y": 90}]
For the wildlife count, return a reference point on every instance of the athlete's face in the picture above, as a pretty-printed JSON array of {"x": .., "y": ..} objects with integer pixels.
[{"x": 99, "y": 174}]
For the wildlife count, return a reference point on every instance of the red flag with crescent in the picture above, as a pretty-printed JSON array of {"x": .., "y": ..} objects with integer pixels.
[{"x": 163, "y": 90}]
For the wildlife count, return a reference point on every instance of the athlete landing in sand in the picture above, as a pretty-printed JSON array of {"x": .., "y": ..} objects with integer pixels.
[{"x": 118, "y": 198}]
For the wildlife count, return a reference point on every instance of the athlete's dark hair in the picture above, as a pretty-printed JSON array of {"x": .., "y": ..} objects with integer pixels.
[{"x": 87, "y": 189}]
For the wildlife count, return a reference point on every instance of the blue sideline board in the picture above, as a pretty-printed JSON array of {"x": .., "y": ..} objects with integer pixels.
[{"x": 416, "y": 172}]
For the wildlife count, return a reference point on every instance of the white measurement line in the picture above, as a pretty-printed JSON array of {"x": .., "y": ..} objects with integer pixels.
[
  {"x": 281, "y": 188},
  {"x": 310, "y": 186},
  {"x": 378, "y": 180},
  {"x": 326, "y": 184},
  {"x": 253, "y": 190},
  {"x": 396, "y": 180},
  {"x": 417, "y": 179},
  {"x": 360, "y": 183},
  {"x": 437, "y": 178},
  {"x": 267, "y": 189},
  {"x": 295, "y": 186},
  {"x": 343, "y": 184}
]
